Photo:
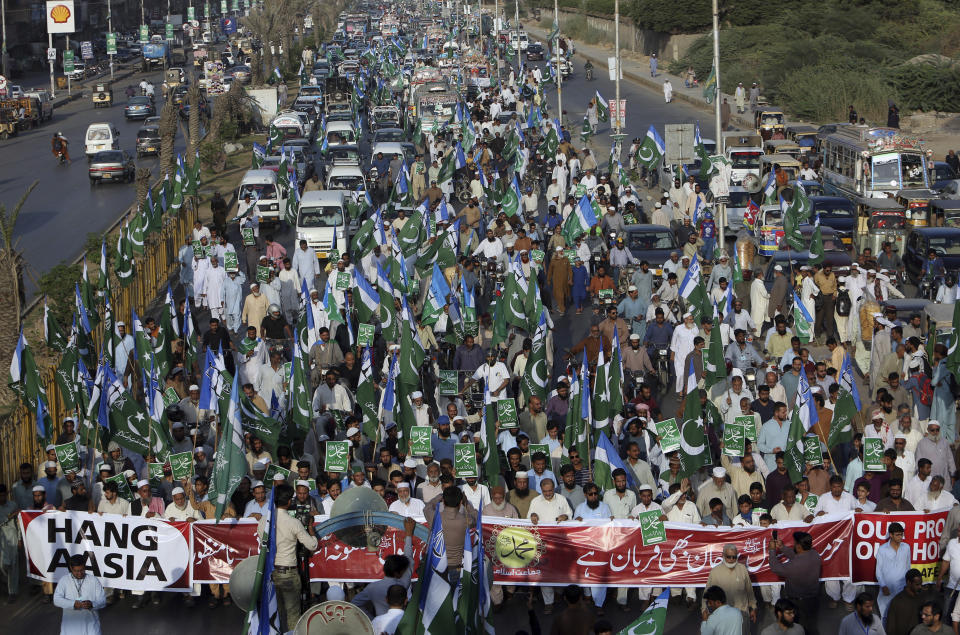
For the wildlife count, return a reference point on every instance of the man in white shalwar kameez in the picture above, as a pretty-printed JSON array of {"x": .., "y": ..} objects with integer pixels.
[
  {"x": 213, "y": 289},
  {"x": 808, "y": 293},
  {"x": 80, "y": 596},
  {"x": 233, "y": 300},
  {"x": 682, "y": 345},
  {"x": 200, "y": 268},
  {"x": 759, "y": 299},
  {"x": 305, "y": 263}
]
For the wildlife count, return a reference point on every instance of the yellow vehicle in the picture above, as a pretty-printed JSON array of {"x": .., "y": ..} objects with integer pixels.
[
  {"x": 804, "y": 136},
  {"x": 917, "y": 205},
  {"x": 782, "y": 146},
  {"x": 102, "y": 96},
  {"x": 8, "y": 123},
  {"x": 785, "y": 162},
  {"x": 768, "y": 122}
]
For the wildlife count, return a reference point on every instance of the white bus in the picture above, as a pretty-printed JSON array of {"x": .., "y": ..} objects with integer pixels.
[{"x": 872, "y": 162}]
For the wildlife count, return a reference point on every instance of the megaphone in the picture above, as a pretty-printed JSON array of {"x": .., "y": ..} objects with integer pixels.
[
  {"x": 241, "y": 583},
  {"x": 751, "y": 183},
  {"x": 365, "y": 500}
]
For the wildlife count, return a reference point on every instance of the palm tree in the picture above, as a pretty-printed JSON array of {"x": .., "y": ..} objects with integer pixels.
[
  {"x": 168, "y": 135},
  {"x": 12, "y": 295},
  {"x": 193, "y": 138}
]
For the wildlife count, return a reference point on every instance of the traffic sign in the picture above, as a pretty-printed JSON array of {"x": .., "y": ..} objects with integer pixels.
[
  {"x": 86, "y": 50},
  {"x": 678, "y": 139},
  {"x": 68, "y": 62},
  {"x": 111, "y": 43},
  {"x": 51, "y": 54},
  {"x": 169, "y": 31},
  {"x": 144, "y": 34}
]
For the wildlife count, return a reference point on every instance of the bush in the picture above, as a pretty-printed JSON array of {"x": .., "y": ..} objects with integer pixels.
[
  {"x": 578, "y": 29},
  {"x": 930, "y": 85},
  {"x": 822, "y": 93},
  {"x": 58, "y": 285}
]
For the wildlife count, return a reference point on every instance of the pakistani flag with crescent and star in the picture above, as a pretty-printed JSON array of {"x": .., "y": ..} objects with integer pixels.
[
  {"x": 653, "y": 620},
  {"x": 230, "y": 465},
  {"x": 535, "y": 374},
  {"x": 299, "y": 398},
  {"x": 652, "y": 149},
  {"x": 694, "y": 450},
  {"x": 115, "y": 408}
]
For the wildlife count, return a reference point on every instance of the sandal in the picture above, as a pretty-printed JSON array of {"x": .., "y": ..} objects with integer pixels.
[{"x": 212, "y": 603}]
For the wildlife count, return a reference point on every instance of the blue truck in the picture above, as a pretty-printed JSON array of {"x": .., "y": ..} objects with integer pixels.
[{"x": 155, "y": 53}]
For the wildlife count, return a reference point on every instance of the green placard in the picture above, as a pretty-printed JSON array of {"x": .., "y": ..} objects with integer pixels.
[
  {"x": 273, "y": 470},
  {"x": 537, "y": 256},
  {"x": 605, "y": 293},
  {"x": 248, "y": 238},
  {"x": 287, "y": 366},
  {"x": 571, "y": 255},
  {"x": 182, "y": 465},
  {"x": 156, "y": 474},
  {"x": 465, "y": 460},
  {"x": 629, "y": 219},
  {"x": 198, "y": 248},
  {"x": 540, "y": 447},
  {"x": 313, "y": 484},
  {"x": 448, "y": 382},
  {"x": 125, "y": 492},
  {"x": 168, "y": 31},
  {"x": 343, "y": 280},
  {"x": 263, "y": 273},
  {"x": 812, "y": 453},
  {"x": 230, "y": 261},
  {"x": 507, "y": 413},
  {"x": 191, "y": 14},
  {"x": 333, "y": 255},
  {"x": 757, "y": 513},
  {"x": 68, "y": 62},
  {"x": 580, "y": 190},
  {"x": 68, "y": 457},
  {"x": 733, "y": 439},
  {"x": 144, "y": 34},
  {"x": 873, "y": 455},
  {"x": 234, "y": 5},
  {"x": 420, "y": 441},
  {"x": 337, "y": 458},
  {"x": 669, "y": 435},
  {"x": 751, "y": 427},
  {"x": 365, "y": 335},
  {"x": 652, "y": 530},
  {"x": 811, "y": 502},
  {"x": 111, "y": 43}
]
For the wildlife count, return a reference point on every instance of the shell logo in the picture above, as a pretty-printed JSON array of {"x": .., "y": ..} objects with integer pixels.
[{"x": 60, "y": 14}]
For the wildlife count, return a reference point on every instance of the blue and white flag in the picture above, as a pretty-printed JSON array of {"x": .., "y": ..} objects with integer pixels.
[
  {"x": 691, "y": 279},
  {"x": 805, "y": 404},
  {"x": 847, "y": 380}
]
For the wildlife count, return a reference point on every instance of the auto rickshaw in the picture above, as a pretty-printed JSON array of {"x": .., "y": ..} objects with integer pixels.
[
  {"x": 880, "y": 220},
  {"x": 768, "y": 122},
  {"x": 782, "y": 146},
  {"x": 8, "y": 123},
  {"x": 939, "y": 320},
  {"x": 102, "y": 95},
  {"x": 945, "y": 213},
  {"x": 804, "y": 136},
  {"x": 917, "y": 204}
]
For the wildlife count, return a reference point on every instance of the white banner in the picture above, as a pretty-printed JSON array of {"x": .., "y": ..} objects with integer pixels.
[{"x": 124, "y": 552}]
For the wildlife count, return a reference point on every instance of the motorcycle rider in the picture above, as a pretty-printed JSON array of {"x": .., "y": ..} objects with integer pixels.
[
  {"x": 58, "y": 144},
  {"x": 634, "y": 310},
  {"x": 933, "y": 266},
  {"x": 588, "y": 70},
  {"x": 635, "y": 357},
  {"x": 659, "y": 332},
  {"x": 740, "y": 354},
  {"x": 949, "y": 292},
  {"x": 620, "y": 256},
  {"x": 657, "y": 305},
  {"x": 889, "y": 259}
]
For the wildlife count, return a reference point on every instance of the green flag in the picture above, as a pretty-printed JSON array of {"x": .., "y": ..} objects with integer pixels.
[
  {"x": 577, "y": 429},
  {"x": 601, "y": 398},
  {"x": 585, "y": 130},
  {"x": 653, "y": 620},
  {"x": 603, "y": 110},
  {"x": 68, "y": 379},
  {"x": 258, "y": 423},
  {"x": 802, "y": 321},
  {"x": 129, "y": 422},
  {"x": 841, "y": 425},
  {"x": 367, "y": 398},
  {"x": 737, "y": 271},
  {"x": 299, "y": 397},
  {"x": 694, "y": 450},
  {"x": 24, "y": 375},
  {"x": 710, "y": 86},
  {"x": 535, "y": 372},
  {"x": 816, "y": 247},
  {"x": 447, "y": 168},
  {"x": 548, "y": 147},
  {"x": 794, "y": 457},
  {"x": 714, "y": 364},
  {"x": 953, "y": 350},
  {"x": 651, "y": 150},
  {"x": 123, "y": 264},
  {"x": 52, "y": 334}
]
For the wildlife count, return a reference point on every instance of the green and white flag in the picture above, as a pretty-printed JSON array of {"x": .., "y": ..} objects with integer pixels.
[
  {"x": 298, "y": 400},
  {"x": 585, "y": 130},
  {"x": 652, "y": 149},
  {"x": 52, "y": 334},
  {"x": 816, "y": 246},
  {"x": 535, "y": 373},
  {"x": 710, "y": 86},
  {"x": 694, "y": 451},
  {"x": 653, "y": 620},
  {"x": 603, "y": 110},
  {"x": 123, "y": 263},
  {"x": 230, "y": 464},
  {"x": 548, "y": 147},
  {"x": 802, "y": 320},
  {"x": 138, "y": 231},
  {"x": 111, "y": 403},
  {"x": 367, "y": 398},
  {"x": 841, "y": 425},
  {"x": 714, "y": 364},
  {"x": 510, "y": 203}
]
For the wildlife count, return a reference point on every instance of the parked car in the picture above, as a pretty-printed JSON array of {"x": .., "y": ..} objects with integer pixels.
[
  {"x": 241, "y": 74},
  {"x": 139, "y": 108},
  {"x": 112, "y": 165}
]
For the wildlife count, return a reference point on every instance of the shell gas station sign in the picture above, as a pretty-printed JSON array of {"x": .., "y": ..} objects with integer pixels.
[{"x": 60, "y": 16}]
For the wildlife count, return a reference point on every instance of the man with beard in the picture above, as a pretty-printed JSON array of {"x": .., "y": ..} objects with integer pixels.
[
  {"x": 430, "y": 488},
  {"x": 904, "y": 610},
  {"x": 498, "y": 507},
  {"x": 894, "y": 501},
  {"x": 569, "y": 489},
  {"x": 742, "y": 476},
  {"x": 592, "y": 507},
  {"x": 862, "y": 621},
  {"x": 785, "y": 612},
  {"x": 406, "y": 505},
  {"x": 558, "y": 403},
  {"x": 521, "y": 495},
  {"x": 732, "y": 576},
  {"x": 937, "y": 450},
  {"x": 548, "y": 508},
  {"x": 801, "y": 573}
]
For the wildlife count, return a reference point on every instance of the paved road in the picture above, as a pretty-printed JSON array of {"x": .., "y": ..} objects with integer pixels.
[{"x": 55, "y": 220}]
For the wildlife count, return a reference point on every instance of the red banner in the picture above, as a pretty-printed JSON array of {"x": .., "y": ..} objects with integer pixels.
[
  {"x": 921, "y": 535},
  {"x": 613, "y": 553},
  {"x": 217, "y": 548}
]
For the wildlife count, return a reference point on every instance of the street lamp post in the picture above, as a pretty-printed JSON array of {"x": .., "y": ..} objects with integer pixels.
[
  {"x": 722, "y": 215},
  {"x": 3, "y": 18},
  {"x": 616, "y": 54},
  {"x": 556, "y": 17},
  {"x": 110, "y": 31}
]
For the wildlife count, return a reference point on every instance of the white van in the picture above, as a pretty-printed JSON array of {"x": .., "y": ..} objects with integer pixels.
[
  {"x": 341, "y": 133},
  {"x": 261, "y": 185},
  {"x": 322, "y": 221},
  {"x": 101, "y": 136}
]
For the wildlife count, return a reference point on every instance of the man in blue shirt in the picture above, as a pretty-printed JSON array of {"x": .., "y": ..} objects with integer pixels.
[
  {"x": 442, "y": 442},
  {"x": 659, "y": 333},
  {"x": 724, "y": 619},
  {"x": 893, "y": 562},
  {"x": 633, "y": 310}
]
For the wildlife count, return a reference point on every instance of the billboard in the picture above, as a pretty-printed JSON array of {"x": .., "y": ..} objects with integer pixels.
[{"x": 60, "y": 16}]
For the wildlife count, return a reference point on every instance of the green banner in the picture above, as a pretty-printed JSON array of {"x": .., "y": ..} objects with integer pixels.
[
  {"x": 125, "y": 492},
  {"x": 811, "y": 502},
  {"x": 230, "y": 261},
  {"x": 144, "y": 34},
  {"x": 873, "y": 455},
  {"x": 537, "y": 256},
  {"x": 249, "y": 239},
  {"x": 263, "y": 274},
  {"x": 170, "y": 397},
  {"x": 812, "y": 453},
  {"x": 111, "y": 43},
  {"x": 733, "y": 439},
  {"x": 420, "y": 441},
  {"x": 448, "y": 382},
  {"x": 273, "y": 470},
  {"x": 751, "y": 426},
  {"x": 465, "y": 460},
  {"x": 343, "y": 280},
  {"x": 337, "y": 458},
  {"x": 365, "y": 335},
  {"x": 539, "y": 447},
  {"x": 669, "y": 435},
  {"x": 156, "y": 474}
]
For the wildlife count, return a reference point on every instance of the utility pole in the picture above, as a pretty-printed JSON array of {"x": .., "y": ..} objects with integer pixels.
[
  {"x": 616, "y": 54},
  {"x": 110, "y": 30},
  {"x": 722, "y": 215},
  {"x": 556, "y": 17},
  {"x": 53, "y": 91},
  {"x": 3, "y": 53},
  {"x": 496, "y": 33}
]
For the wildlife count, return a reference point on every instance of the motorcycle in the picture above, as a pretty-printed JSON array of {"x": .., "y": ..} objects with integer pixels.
[
  {"x": 750, "y": 379},
  {"x": 928, "y": 287},
  {"x": 588, "y": 73},
  {"x": 661, "y": 365}
]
